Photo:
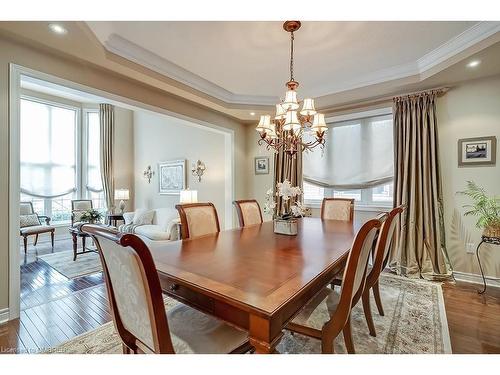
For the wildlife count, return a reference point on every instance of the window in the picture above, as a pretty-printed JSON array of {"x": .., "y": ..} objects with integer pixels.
[
  {"x": 357, "y": 163},
  {"x": 52, "y": 157}
]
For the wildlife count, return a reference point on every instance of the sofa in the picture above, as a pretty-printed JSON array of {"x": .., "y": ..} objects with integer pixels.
[{"x": 160, "y": 224}]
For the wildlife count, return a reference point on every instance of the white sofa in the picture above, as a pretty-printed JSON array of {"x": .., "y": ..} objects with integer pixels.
[{"x": 163, "y": 226}]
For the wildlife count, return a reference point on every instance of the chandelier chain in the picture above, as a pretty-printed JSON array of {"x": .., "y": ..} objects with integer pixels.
[{"x": 291, "y": 56}]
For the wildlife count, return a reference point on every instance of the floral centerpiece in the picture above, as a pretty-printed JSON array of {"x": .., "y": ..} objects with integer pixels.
[
  {"x": 487, "y": 209},
  {"x": 91, "y": 216},
  {"x": 285, "y": 221}
]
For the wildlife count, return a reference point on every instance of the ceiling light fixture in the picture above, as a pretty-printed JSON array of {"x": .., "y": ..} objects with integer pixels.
[
  {"x": 473, "y": 63},
  {"x": 252, "y": 113},
  {"x": 58, "y": 29},
  {"x": 286, "y": 130}
]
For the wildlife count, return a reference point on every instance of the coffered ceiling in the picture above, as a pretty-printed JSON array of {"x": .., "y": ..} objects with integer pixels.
[{"x": 241, "y": 67}]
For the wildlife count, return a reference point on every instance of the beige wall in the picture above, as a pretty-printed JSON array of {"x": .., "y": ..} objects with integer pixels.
[
  {"x": 92, "y": 76},
  {"x": 162, "y": 138},
  {"x": 258, "y": 184},
  {"x": 469, "y": 110}
]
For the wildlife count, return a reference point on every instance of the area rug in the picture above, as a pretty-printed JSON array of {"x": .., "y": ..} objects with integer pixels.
[
  {"x": 414, "y": 322},
  {"x": 62, "y": 262}
]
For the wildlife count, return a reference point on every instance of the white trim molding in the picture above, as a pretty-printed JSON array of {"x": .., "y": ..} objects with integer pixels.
[
  {"x": 476, "y": 34},
  {"x": 4, "y": 315},
  {"x": 476, "y": 279}
]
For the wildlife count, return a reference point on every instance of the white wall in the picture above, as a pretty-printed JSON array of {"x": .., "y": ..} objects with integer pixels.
[
  {"x": 469, "y": 110},
  {"x": 160, "y": 138}
]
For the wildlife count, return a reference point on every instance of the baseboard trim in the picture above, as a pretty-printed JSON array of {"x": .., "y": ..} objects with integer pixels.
[
  {"x": 4, "y": 315},
  {"x": 476, "y": 279}
]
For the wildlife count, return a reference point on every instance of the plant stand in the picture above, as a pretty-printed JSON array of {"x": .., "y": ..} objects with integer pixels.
[{"x": 488, "y": 240}]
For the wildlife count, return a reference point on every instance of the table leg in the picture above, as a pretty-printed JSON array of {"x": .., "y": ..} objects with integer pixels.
[
  {"x": 75, "y": 245},
  {"x": 262, "y": 337},
  {"x": 83, "y": 243},
  {"x": 481, "y": 268}
]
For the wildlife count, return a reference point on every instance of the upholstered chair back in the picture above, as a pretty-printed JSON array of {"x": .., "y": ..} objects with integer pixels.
[
  {"x": 357, "y": 262},
  {"x": 249, "y": 212},
  {"x": 26, "y": 208},
  {"x": 134, "y": 289},
  {"x": 337, "y": 209},
  {"x": 198, "y": 219},
  {"x": 386, "y": 240}
]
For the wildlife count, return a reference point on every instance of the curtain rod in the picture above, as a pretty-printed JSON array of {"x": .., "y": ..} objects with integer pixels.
[{"x": 440, "y": 91}]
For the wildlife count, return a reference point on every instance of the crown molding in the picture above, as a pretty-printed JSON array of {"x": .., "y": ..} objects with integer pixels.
[
  {"x": 135, "y": 53},
  {"x": 470, "y": 37}
]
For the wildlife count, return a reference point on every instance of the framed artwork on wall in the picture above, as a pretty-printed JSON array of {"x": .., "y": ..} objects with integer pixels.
[
  {"x": 262, "y": 165},
  {"x": 172, "y": 176},
  {"x": 477, "y": 151}
]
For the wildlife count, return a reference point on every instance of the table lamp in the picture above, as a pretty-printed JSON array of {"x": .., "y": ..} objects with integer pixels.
[
  {"x": 123, "y": 195},
  {"x": 188, "y": 196}
]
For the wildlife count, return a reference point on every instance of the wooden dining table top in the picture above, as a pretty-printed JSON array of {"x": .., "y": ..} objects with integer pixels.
[{"x": 254, "y": 268}]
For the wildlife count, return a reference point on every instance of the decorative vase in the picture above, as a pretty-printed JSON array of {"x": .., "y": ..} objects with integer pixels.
[
  {"x": 288, "y": 227},
  {"x": 492, "y": 231}
]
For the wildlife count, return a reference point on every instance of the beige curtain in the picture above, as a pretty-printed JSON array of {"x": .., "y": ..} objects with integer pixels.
[
  {"x": 107, "y": 122},
  {"x": 421, "y": 249},
  {"x": 287, "y": 167}
]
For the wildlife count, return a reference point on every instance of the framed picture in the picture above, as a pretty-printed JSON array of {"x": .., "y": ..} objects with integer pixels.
[
  {"x": 261, "y": 165},
  {"x": 172, "y": 176},
  {"x": 477, "y": 151}
]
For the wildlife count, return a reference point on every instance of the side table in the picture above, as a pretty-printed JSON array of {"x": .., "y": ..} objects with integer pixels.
[
  {"x": 113, "y": 219},
  {"x": 488, "y": 240}
]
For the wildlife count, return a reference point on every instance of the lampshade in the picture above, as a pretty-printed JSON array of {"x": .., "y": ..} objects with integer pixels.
[
  {"x": 291, "y": 121},
  {"x": 319, "y": 124},
  {"x": 280, "y": 112},
  {"x": 290, "y": 101},
  {"x": 189, "y": 196},
  {"x": 122, "y": 194},
  {"x": 308, "y": 108},
  {"x": 264, "y": 124},
  {"x": 271, "y": 131}
]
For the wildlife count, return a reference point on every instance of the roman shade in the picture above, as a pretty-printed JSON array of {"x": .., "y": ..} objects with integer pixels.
[{"x": 358, "y": 154}]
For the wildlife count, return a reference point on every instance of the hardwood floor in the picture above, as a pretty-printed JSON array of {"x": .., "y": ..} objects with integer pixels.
[
  {"x": 56, "y": 309},
  {"x": 473, "y": 319}
]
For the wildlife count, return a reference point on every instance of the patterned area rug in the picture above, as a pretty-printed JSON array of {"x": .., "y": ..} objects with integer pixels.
[
  {"x": 414, "y": 322},
  {"x": 62, "y": 262}
]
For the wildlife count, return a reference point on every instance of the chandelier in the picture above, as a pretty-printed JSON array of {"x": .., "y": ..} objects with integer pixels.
[{"x": 289, "y": 128}]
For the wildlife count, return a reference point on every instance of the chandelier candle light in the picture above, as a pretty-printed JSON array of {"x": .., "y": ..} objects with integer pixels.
[{"x": 286, "y": 130}]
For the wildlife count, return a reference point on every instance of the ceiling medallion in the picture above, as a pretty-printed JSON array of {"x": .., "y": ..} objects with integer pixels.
[{"x": 286, "y": 131}]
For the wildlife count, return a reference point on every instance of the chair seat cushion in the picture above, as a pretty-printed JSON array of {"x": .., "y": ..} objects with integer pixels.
[
  {"x": 195, "y": 332},
  {"x": 318, "y": 310},
  {"x": 153, "y": 232},
  {"x": 36, "y": 229}
]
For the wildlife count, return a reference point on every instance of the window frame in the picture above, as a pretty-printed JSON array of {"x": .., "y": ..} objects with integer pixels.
[
  {"x": 81, "y": 149},
  {"x": 366, "y": 203}
]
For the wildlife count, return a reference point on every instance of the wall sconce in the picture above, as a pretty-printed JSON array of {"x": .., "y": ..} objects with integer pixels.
[
  {"x": 148, "y": 174},
  {"x": 198, "y": 169}
]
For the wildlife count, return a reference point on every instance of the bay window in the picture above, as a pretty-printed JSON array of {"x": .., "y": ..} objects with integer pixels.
[
  {"x": 356, "y": 163},
  {"x": 55, "y": 163}
]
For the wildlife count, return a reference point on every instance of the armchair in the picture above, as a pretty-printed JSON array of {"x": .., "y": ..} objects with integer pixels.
[
  {"x": 78, "y": 207},
  {"x": 31, "y": 225}
]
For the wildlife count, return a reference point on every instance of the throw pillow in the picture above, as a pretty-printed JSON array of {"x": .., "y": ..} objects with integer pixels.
[
  {"x": 143, "y": 217},
  {"x": 28, "y": 220}
]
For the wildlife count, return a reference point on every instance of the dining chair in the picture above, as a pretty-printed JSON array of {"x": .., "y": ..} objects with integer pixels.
[
  {"x": 329, "y": 312},
  {"x": 138, "y": 308},
  {"x": 381, "y": 257},
  {"x": 337, "y": 209},
  {"x": 30, "y": 224},
  {"x": 249, "y": 212},
  {"x": 198, "y": 219},
  {"x": 78, "y": 208}
]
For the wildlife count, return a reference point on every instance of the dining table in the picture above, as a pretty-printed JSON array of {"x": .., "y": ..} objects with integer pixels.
[{"x": 253, "y": 278}]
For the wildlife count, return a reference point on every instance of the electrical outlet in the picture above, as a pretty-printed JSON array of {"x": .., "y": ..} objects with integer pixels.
[{"x": 470, "y": 247}]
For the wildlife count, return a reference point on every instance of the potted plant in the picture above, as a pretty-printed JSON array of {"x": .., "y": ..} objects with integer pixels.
[
  {"x": 486, "y": 208},
  {"x": 285, "y": 221},
  {"x": 91, "y": 216}
]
